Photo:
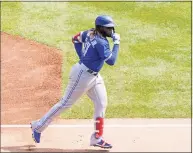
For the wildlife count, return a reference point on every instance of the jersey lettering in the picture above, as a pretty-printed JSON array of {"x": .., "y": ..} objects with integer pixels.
[
  {"x": 86, "y": 47},
  {"x": 93, "y": 43}
]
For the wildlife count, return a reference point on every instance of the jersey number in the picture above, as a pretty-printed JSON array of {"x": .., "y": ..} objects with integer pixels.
[{"x": 86, "y": 46}]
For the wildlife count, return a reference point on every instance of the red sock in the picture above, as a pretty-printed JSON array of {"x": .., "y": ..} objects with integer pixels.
[{"x": 99, "y": 127}]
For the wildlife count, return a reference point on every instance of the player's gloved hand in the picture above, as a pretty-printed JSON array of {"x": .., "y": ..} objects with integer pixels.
[{"x": 116, "y": 38}]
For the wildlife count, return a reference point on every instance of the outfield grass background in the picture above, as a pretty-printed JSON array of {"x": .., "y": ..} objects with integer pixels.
[{"x": 152, "y": 76}]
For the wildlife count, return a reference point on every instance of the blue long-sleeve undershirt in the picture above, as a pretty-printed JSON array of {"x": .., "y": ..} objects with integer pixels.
[{"x": 113, "y": 58}]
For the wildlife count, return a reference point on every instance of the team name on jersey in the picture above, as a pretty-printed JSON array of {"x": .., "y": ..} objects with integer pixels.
[
  {"x": 93, "y": 42},
  {"x": 87, "y": 44}
]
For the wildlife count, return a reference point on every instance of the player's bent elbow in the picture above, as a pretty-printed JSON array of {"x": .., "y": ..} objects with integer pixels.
[{"x": 111, "y": 63}]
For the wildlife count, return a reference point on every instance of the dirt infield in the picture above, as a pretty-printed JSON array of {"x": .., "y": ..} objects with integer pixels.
[
  {"x": 30, "y": 79},
  {"x": 31, "y": 84}
]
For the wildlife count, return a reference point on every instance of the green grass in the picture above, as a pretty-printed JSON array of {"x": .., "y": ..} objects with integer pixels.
[{"x": 152, "y": 77}]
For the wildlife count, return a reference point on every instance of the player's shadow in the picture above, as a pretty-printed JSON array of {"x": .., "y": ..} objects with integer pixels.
[{"x": 24, "y": 148}]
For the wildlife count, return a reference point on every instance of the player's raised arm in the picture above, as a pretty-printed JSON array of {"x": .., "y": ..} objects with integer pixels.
[
  {"x": 104, "y": 49},
  {"x": 113, "y": 56}
]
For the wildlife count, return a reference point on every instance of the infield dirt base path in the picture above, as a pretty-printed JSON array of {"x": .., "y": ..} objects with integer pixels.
[{"x": 141, "y": 135}]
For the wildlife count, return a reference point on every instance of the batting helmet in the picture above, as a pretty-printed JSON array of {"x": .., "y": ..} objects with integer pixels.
[{"x": 105, "y": 21}]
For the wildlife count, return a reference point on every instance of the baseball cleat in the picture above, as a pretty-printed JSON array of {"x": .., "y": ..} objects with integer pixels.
[
  {"x": 36, "y": 136},
  {"x": 103, "y": 144}
]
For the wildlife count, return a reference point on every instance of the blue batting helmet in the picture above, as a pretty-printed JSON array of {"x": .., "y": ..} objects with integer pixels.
[{"x": 105, "y": 21}]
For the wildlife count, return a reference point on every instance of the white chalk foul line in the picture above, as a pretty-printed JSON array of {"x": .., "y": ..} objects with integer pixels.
[{"x": 106, "y": 126}]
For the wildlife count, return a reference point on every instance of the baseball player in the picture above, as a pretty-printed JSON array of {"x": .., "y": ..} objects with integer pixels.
[{"x": 93, "y": 50}]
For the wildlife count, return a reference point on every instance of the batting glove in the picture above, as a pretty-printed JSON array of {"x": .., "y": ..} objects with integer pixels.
[{"x": 116, "y": 38}]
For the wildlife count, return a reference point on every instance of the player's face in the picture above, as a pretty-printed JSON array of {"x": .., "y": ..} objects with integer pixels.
[{"x": 108, "y": 31}]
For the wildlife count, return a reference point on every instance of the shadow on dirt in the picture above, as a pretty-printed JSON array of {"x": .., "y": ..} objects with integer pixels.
[{"x": 26, "y": 148}]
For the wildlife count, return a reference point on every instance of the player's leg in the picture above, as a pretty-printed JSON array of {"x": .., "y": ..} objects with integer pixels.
[
  {"x": 79, "y": 81},
  {"x": 98, "y": 95}
]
